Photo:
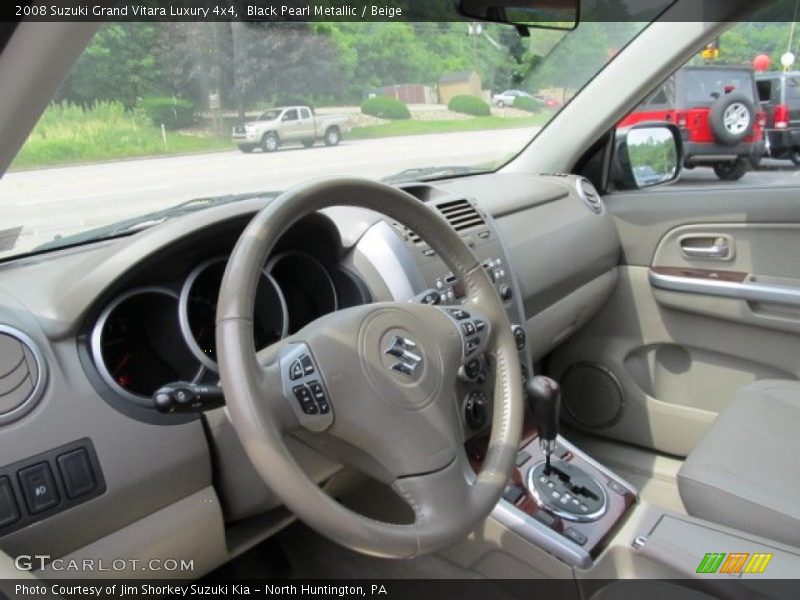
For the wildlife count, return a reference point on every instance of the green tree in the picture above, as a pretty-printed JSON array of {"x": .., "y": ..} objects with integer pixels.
[{"x": 120, "y": 64}]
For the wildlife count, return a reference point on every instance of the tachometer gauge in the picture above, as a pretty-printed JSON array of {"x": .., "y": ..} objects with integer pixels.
[{"x": 137, "y": 344}]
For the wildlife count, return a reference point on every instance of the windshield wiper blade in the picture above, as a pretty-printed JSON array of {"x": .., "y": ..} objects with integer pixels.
[
  {"x": 429, "y": 173},
  {"x": 139, "y": 222}
]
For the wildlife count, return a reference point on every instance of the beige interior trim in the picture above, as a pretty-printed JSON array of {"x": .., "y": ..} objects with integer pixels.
[{"x": 189, "y": 530}]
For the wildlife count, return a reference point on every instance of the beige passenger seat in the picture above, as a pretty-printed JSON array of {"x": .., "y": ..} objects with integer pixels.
[{"x": 745, "y": 472}]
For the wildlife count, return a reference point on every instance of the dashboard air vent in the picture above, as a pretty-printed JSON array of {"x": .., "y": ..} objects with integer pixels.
[
  {"x": 589, "y": 195},
  {"x": 461, "y": 214},
  {"x": 21, "y": 376}
]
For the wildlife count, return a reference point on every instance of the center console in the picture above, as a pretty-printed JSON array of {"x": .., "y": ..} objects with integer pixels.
[
  {"x": 571, "y": 513},
  {"x": 422, "y": 276},
  {"x": 557, "y": 498}
]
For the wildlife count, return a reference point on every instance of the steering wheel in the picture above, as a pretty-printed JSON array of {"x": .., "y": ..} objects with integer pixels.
[{"x": 373, "y": 386}]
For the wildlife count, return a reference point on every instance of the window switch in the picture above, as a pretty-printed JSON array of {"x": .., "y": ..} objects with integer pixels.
[
  {"x": 513, "y": 494},
  {"x": 76, "y": 473},
  {"x": 9, "y": 512},
  {"x": 576, "y": 536},
  {"x": 38, "y": 487}
]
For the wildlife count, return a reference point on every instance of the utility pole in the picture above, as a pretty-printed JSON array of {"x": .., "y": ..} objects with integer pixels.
[{"x": 474, "y": 31}]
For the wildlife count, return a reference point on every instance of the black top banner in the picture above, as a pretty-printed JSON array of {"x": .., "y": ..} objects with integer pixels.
[{"x": 367, "y": 10}]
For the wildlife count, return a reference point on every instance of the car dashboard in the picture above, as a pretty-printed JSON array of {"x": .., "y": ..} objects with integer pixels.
[{"x": 88, "y": 334}]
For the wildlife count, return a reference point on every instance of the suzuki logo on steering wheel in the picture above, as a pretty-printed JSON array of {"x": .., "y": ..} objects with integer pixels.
[{"x": 402, "y": 348}]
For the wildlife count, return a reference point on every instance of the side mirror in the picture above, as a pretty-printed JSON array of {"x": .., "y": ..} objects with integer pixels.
[
  {"x": 537, "y": 14},
  {"x": 646, "y": 155}
]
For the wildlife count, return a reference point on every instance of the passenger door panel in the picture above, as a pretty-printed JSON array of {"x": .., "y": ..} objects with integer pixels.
[{"x": 679, "y": 352}]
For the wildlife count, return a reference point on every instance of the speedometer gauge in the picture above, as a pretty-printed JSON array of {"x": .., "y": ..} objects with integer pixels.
[{"x": 198, "y": 308}]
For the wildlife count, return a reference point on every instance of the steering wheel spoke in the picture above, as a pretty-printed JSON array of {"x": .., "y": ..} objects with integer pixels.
[{"x": 433, "y": 495}]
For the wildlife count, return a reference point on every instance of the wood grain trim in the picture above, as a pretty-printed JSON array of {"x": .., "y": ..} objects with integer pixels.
[
  {"x": 710, "y": 274},
  {"x": 598, "y": 532}
]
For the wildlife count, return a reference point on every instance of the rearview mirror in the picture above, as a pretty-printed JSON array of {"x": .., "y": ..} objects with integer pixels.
[
  {"x": 540, "y": 14},
  {"x": 647, "y": 154}
]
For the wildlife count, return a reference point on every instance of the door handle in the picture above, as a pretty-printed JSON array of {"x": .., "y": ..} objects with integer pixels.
[{"x": 706, "y": 247}]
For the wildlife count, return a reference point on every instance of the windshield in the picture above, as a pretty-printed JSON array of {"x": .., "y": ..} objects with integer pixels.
[
  {"x": 269, "y": 115},
  {"x": 158, "y": 114}
]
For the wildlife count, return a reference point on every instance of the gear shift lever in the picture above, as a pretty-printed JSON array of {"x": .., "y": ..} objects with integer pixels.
[{"x": 546, "y": 395}]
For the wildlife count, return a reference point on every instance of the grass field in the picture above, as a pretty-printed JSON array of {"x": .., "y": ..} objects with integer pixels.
[
  {"x": 411, "y": 127},
  {"x": 69, "y": 134}
]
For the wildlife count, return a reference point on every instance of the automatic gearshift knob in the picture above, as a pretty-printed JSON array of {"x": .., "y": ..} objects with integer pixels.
[{"x": 546, "y": 396}]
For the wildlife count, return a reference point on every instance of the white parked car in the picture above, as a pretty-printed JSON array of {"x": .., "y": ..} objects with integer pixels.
[{"x": 509, "y": 97}]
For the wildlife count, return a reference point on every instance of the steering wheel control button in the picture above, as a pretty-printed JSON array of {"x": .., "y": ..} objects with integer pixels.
[
  {"x": 430, "y": 297},
  {"x": 304, "y": 397},
  {"x": 471, "y": 345},
  {"x": 468, "y": 328},
  {"x": 38, "y": 487},
  {"x": 457, "y": 313},
  {"x": 308, "y": 366},
  {"x": 9, "y": 512},
  {"x": 296, "y": 371},
  {"x": 519, "y": 337},
  {"x": 480, "y": 325},
  {"x": 76, "y": 473},
  {"x": 470, "y": 371},
  {"x": 304, "y": 388},
  {"x": 318, "y": 393}
]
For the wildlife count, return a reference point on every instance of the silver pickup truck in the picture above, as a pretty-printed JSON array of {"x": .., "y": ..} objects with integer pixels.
[{"x": 287, "y": 125}]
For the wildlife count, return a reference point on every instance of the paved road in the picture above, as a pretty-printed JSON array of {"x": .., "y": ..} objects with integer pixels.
[
  {"x": 771, "y": 172},
  {"x": 70, "y": 199}
]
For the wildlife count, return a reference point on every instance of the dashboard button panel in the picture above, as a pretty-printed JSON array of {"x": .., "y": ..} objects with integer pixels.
[
  {"x": 40, "y": 486},
  {"x": 9, "y": 511},
  {"x": 76, "y": 472}
]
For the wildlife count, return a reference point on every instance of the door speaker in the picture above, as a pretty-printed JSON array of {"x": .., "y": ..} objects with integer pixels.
[{"x": 592, "y": 395}]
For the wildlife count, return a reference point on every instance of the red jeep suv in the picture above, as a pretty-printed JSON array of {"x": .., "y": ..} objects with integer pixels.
[{"x": 717, "y": 111}]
